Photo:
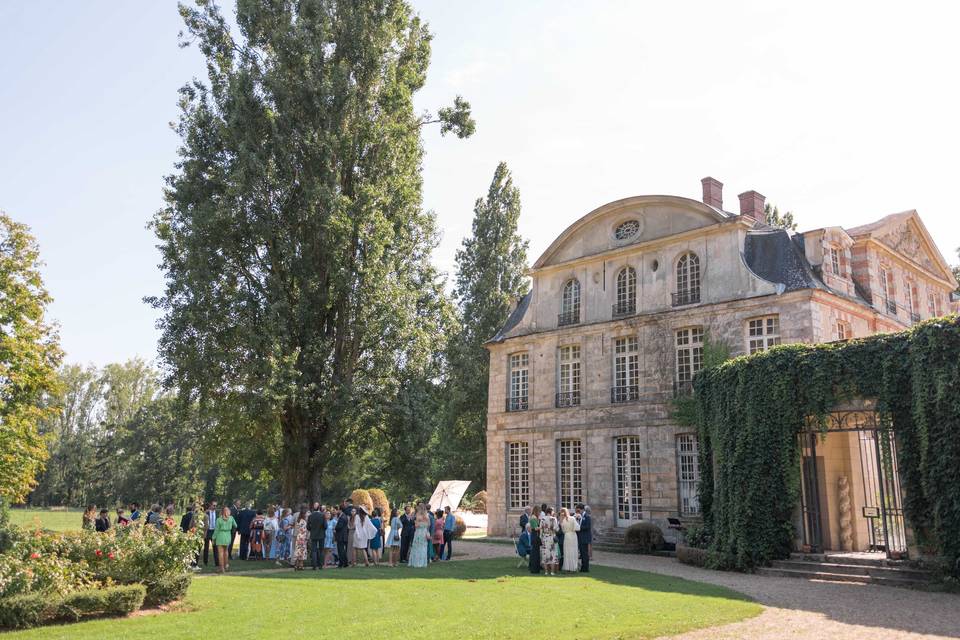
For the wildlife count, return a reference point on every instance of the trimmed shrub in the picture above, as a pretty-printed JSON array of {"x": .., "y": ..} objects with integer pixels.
[
  {"x": 22, "y": 611},
  {"x": 124, "y": 599},
  {"x": 361, "y": 498},
  {"x": 380, "y": 501},
  {"x": 696, "y": 536},
  {"x": 479, "y": 502},
  {"x": 643, "y": 537},
  {"x": 692, "y": 555},
  {"x": 459, "y": 527},
  {"x": 92, "y": 603},
  {"x": 166, "y": 589}
]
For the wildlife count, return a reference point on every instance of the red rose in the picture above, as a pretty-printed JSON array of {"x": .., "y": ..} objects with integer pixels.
[
  {"x": 99, "y": 553},
  {"x": 34, "y": 555}
]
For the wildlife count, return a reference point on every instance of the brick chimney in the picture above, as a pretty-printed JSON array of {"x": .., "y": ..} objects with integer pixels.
[
  {"x": 712, "y": 192},
  {"x": 751, "y": 206}
]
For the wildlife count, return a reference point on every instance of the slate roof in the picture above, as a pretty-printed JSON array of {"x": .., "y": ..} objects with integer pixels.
[
  {"x": 776, "y": 257},
  {"x": 513, "y": 320}
]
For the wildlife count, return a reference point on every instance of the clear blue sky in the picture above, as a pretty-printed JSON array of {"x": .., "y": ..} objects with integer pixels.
[{"x": 841, "y": 112}]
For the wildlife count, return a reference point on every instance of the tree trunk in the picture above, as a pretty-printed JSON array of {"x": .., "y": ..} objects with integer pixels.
[{"x": 302, "y": 466}]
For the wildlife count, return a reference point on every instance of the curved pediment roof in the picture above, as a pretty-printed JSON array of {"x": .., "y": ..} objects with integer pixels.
[{"x": 658, "y": 217}]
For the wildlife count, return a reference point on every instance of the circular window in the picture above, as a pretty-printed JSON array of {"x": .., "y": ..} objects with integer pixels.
[
  {"x": 654, "y": 265},
  {"x": 627, "y": 230}
]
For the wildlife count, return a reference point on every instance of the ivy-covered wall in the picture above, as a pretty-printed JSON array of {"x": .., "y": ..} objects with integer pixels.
[{"x": 750, "y": 409}]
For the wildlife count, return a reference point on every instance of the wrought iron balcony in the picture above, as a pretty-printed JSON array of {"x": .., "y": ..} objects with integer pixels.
[
  {"x": 568, "y": 399},
  {"x": 682, "y": 388},
  {"x": 685, "y": 297},
  {"x": 891, "y": 307},
  {"x": 624, "y": 393},
  {"x": 517, "y": 404},
  {"x": 568, "y": 318},
  {"x": 624, "y": 309}
]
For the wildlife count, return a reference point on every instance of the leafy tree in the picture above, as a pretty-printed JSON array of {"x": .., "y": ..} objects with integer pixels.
[
  {"x": 29, "y": 356},
  {"x": 776, "y": 219},
  {"x": 491, "y": 268},
  {"x": 295, "y": 247}
]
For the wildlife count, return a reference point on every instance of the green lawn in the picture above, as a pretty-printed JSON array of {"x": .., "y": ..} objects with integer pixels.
[
  {"x": 469, "y": 599},
  {"x": 54, "y": 519}
]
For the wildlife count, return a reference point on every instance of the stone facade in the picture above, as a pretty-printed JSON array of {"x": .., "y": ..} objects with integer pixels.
[{"x": 583, "y": 374}]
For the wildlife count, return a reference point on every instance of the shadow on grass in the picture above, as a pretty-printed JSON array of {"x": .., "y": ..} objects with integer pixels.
[{"x": 502, "y": 569}]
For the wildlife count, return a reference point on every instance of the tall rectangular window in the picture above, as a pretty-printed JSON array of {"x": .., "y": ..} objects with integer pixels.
[
  {"x": 763, "y": 333},
  {"x": 688, "y": 468},
  {"x": 570, "y": 471},
  {"x": 689, "y": 354},
  {"x": 518, "y": 475},
  {"x": 888, "y": 291},
  {"x": 518, "y": 398},
  {"x": 843, "y": 330},
  {"x": 629, "y": 485},
  {"x": 626, "y": 370},
  {"x": 568, "y": 378},
  {"x": 913, "y": 300},
  {"x": 835, "y": 261}
]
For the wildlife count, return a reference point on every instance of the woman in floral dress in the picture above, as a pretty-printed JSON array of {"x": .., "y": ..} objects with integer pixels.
[
  {"x": 548, "y": 542},
  {"x": 419, "y": 557},
  {"x": 300, "y": 541}
]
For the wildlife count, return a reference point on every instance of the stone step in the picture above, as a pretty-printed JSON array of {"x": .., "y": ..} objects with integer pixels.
[
  {"x": 844, "y": 559},
  {"x": 903, "y": 573},
  {"x": 828, "y": 576}
]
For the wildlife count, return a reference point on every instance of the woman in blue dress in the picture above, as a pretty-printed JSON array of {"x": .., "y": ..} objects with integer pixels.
[
  {"x": 376, "y": 542},
  {"x": 328, "y": 544},
  {"x": 393, "y": 540},
  {"x": 421, "y": 540}
]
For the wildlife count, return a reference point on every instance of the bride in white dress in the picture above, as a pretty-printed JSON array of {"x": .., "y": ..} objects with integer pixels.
[{"x": 570, "y": 527}]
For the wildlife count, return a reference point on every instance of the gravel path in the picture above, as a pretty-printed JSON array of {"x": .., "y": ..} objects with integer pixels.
[{"x": 795, "y": 608}]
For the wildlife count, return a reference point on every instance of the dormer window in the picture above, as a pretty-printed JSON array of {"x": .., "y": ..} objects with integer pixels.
[
  {"x": 626, "y": 230},
  {"x": 835, "y": 261}
]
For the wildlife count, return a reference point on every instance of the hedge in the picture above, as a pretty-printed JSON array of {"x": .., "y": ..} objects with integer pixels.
[
  {"x": 750, "y": 409},
  {"x": 34, "y": 609}
]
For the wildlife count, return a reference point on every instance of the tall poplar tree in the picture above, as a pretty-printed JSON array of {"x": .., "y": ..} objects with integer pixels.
[
  {"x": 491, "y": 268},
  {"x": 295, "y": 247}
]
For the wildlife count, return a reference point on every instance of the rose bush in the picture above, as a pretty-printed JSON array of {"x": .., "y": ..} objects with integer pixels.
[{"x": 62, "y": 563}]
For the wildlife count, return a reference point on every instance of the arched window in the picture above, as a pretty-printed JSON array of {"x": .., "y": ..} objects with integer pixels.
[
  {"x": 626, "y": 293},
  {"x": 570, "y": 303},
  {"x": 688, "y": 280}
]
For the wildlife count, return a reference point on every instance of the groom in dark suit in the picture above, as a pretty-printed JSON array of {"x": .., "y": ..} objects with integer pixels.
[
  {"x": 408, "y": 526},
  {"x": 584, "y": 537}
]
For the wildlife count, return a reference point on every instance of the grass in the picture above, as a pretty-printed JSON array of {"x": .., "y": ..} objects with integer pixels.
[
  {"x": 60, "y": 519},
  {"x": 473, "y": 599}
]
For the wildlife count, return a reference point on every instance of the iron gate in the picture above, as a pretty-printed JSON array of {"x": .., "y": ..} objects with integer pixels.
[{"x": 879, "y": 472}]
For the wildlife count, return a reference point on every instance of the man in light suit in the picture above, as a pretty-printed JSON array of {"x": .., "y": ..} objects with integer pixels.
[
  {"x": 211, "y": 518},
  {"x": 584, "y": 537}
]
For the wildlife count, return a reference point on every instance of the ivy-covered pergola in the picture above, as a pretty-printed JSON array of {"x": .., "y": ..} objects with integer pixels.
[{"x": 749, "y": 411}]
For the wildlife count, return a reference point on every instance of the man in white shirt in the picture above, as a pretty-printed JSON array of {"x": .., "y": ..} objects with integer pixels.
[{"x": 211, "y": 517}]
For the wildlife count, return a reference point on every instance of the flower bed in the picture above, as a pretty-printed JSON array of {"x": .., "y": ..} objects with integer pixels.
[{"x": 47, "y": 577}]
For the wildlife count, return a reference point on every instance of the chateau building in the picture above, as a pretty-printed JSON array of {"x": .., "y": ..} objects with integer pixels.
[{"x": 584, "y": 371}]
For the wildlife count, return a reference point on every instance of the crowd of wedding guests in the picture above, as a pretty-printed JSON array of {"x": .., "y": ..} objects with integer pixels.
[
  {"x": 338, "y": 536},
  {"x": 550, "y": 543}
]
